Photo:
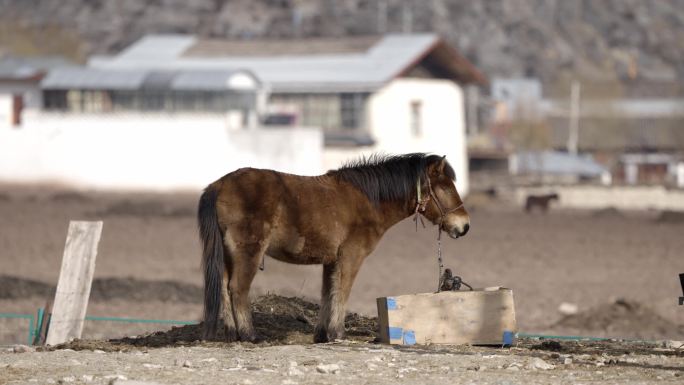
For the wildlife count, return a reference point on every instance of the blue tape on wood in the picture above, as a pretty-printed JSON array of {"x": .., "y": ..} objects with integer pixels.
[
  {"x": 409, "y": 337},
  {"x": 508, "y": 337},
  {"x": 391, "y": 303},
  {"x": 395, "y": 333}
]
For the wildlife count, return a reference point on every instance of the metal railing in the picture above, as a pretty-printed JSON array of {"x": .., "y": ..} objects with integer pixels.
[{"x": 35, "y": 327}]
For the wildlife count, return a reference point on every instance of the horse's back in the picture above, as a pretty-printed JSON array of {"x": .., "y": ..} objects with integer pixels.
[{"x": 302, "y": 218}]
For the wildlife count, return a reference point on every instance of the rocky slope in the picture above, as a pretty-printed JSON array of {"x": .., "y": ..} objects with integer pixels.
[{"x": 613, "y": 39}]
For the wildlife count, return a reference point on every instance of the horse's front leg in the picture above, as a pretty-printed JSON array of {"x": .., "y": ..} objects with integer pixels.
[{"x": 338, "y": 278}]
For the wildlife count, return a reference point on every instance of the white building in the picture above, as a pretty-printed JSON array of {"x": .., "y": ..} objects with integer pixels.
[{"x": 392, "y": 94}]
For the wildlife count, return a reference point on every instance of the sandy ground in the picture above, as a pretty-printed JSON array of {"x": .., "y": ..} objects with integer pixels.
[
  {"x": 619, "y": 268},
  {"x": 344, "y": 363},
  {"x": 586, "y": 258}
]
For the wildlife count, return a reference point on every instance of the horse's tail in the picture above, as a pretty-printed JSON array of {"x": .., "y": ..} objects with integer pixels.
[{"x": 212, "y": 259}]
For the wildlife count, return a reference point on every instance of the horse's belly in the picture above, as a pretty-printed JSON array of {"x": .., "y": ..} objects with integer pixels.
[{"x": 299, "y": 250}]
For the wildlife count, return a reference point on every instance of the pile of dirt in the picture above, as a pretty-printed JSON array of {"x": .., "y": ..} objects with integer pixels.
[
  {"x": 623, "y": 318},
  {"x": 70, "y": 197},
  {"x": 277, "y": 320},
  {"x": 669, "y": 216},
  {"x": 143, "y": 209},
  {"x": 17, "y": 288},
  {"x": 608, "y": 212},
  {"x": 612, "y": 347},
  {"x": 106, "y": 289}
]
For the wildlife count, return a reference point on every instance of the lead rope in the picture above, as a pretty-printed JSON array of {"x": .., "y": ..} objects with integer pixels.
[{"x": 439, "y": 258}]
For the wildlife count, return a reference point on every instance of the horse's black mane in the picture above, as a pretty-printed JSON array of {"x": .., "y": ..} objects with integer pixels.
[{"x": 388, "y": 177}]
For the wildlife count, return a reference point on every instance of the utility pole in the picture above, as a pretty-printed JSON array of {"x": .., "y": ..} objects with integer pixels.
[
  {"x": 573, "y": 131},
  {"x": 382, "y": 17},
  {"x": 407, "y": 17}
]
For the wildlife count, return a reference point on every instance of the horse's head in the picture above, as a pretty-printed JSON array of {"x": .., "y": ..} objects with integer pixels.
[{"x": 441, "y": 203}]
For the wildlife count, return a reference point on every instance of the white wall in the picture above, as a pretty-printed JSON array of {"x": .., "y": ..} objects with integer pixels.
[
  {"x": 30, "y": 92},
  {"x": 145, "y": 151},
  {"x": 6, "y": 110},
  {"x": 620, "y": 197},
  {"x": 443, "y": 121}
]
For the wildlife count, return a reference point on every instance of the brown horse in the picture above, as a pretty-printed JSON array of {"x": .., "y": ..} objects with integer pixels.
[
  {"x": 334, "y": 219},
  {"x": 540, "y": 201}
]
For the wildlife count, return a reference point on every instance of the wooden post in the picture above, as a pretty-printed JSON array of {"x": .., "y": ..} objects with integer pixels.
[{"x": 75, "y": 279}]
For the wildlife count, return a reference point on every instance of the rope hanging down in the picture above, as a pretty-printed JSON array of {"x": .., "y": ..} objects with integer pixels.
[{"x": 446, "y": 281}]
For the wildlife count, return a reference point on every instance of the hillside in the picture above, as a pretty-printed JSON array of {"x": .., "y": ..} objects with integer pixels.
[{"x": 606, "y": 39}]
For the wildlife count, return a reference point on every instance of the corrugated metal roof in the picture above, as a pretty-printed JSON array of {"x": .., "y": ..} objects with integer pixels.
[
  {"x": 92, "y": 78},
  {"x": 209, "y": 80},
  {"x": 554, "y": 162},
  {"x": 85, "y": 78},
  {"x": 359, "y": 71},
  {"x": 18, "y": 68},
  {"x": 157, "y": 47}
]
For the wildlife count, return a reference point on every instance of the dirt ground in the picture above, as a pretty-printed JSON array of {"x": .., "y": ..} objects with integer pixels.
[{"x": 620, "y": 269}]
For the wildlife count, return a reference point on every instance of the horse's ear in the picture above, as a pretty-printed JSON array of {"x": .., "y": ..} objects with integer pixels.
[{"x": 437, "y": 168}]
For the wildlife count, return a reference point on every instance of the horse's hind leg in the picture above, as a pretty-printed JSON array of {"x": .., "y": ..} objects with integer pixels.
[
  {"x": 228, "y": 318},
  {"x": 246, "y": 262}
]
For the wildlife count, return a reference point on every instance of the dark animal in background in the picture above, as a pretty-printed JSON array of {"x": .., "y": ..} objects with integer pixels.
[
  {"x": 335, "y": 219},
  {"x": 540, "y": 201}
]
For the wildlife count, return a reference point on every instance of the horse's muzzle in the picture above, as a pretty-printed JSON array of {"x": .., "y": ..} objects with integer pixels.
[{"x": 456, "y": 233}]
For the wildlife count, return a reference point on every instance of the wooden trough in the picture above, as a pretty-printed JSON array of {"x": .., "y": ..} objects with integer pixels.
[{"x": 478, "y": 317}]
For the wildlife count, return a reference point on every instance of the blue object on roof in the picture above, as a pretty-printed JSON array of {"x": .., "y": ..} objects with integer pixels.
[{"x": 556, "y": 162}]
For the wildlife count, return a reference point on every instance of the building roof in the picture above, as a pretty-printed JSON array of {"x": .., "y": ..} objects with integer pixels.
[
  {"x": 85, "y": 78},
  {"x": 28, "y": 68},
  {"x": 559, "y": 163},
  {"x": 306, "y": 65}
]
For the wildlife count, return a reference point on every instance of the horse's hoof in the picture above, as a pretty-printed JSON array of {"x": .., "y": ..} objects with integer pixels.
[
  {"x": 230, "y": 335},
  {"x": 320, "y": 336},
  {"x": 247, "y": 336}
]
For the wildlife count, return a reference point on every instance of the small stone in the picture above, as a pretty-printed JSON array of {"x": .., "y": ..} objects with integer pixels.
[
  {"x": 474, "y": 368},
  {"x": 152, "y": 366},
  {"x": 247, "y": 381},
  {"x": 67, "y": 379},
  {"x": 513, "y": 367},
  {"x": 293, "y": 364},
  {"x": 210, "y": 359},
  {"x": 187, "y": 364},
  {"x": 293, "y": 371},
  {"x": 538, "y": 363},
  {"x": 287, "y": 381},
  {"x": 22, "y": 349},
  {"x": 87, "y": 377},
  {"x": 115, "y": 377},
  {"x": 672, "y": 344},
  {"x": 98, "y": 351},
  {"x": 567, "y": 308},
  {"x": 567, "y": 361},
  {"x": 328, "y": 368},
  {"x": 371, "y": 366}
]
